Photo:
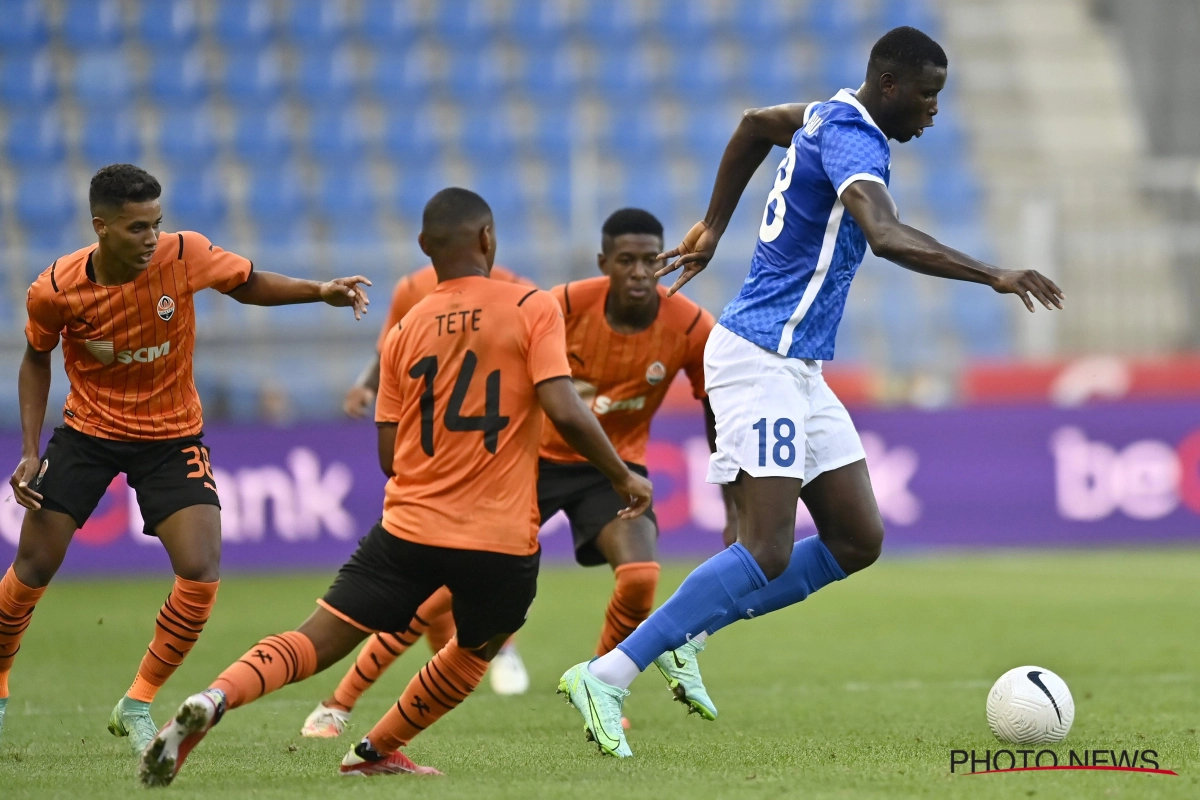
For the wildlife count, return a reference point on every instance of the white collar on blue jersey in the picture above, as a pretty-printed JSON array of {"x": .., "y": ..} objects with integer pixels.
[{"x": 847, "y": 96}]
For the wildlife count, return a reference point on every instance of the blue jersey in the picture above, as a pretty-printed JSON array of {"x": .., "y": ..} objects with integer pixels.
[{"x": 808, "y": 248}]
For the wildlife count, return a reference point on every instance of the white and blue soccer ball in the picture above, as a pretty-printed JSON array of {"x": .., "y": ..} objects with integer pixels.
[{"x": 1030, "y": 705}]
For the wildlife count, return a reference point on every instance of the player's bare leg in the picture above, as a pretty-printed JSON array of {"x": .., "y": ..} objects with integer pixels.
[
  {"x": 842, "y": 504},
  {"x": 192, "y": 539},
  {"x": 274, "y": 662},
  {"x": 45, "y": 536}
]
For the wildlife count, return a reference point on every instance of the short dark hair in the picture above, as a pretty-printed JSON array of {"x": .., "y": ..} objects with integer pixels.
[
  {"x": 449, "y": 211},
  {"x": 905, "y": 49},
  {"x": 630, "y": 220},
  {"x": 117, "y": 184}
]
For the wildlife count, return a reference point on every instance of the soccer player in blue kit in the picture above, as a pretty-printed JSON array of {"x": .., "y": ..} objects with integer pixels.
[{"x": 781, "y": 432}]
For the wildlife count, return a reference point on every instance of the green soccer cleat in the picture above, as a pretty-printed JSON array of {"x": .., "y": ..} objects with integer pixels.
[
  {"x": 682, "y": 672},
  {"x": 600, "y": 705},
  {"x": 132, "y": 718},
  {"x": 3, "y": 705}
]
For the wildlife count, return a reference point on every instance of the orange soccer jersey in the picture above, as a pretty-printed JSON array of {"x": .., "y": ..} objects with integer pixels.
[
  {"x": 624, "y": 378},
  {"x": 458, "y": 378},
  {"x": 412, "y": 289},
  {"x": 128, "y": 348}
]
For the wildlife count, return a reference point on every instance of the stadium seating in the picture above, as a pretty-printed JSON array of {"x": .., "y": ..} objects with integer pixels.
[{"x": 292, "y": 124}]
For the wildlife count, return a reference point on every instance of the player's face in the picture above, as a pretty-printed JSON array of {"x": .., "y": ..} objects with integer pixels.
[
  {"x": 630, "y": 261},
  {"x": 131, "y": 234},
  {"x": 913, "y": 102}
]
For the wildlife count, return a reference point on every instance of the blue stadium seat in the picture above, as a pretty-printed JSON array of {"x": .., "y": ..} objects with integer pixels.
[
  {"x": 833, "y": 24},
  {"x": 613, "y": 22},
  {"x": 636, "y": 132},
  {"x": 952, "y": 193},
  {"x": 477, "y": 75},
  {"x": 404, "y": 77},
  {"x": 325, "y": 76},
  {"x": 466, "y": 22},
  {"x": 553, "y": 74},
  {"x": 46, "y": 206},
  {"x": 412, "y": 135},
  {"x": 917, "y": 13},
  {"x": 24, "y": 26},
  {"x": 554, "y": 130},
  {"x": 263, "y": 136},
  {"x": 337, "y": 135},
  {"x": 391, "y": 23},
  {"x": 690, "y": 22},
  {"x": 276, "y": 201},
  {"x": 92, "y": 23},
  {"x": 539, "y": 23},
  {"x": 709, "y": 77},
  {"x": 167, "y": 24},
  {"x": 981, "y": 322},
  {"x": 187, "y": 137},
  {"x": 252, "y": 77},
  {"x": 844, "y": 66},
  {"x": 643, "y": 184},
  {"x": 27, "y": 79},
  {"x": 763, "y": 22},
  {"x": 110, "y": 137},
  {"x": 243, "y": 22},
  {"x": 499, "y": 183},
  {"x": 177, "y": 78},
  {"x": 416, "y": 185},
  {"x": 776, "y": 74},
  {"x": 195, "y": 201},
  {"x": 35, "y": 139},
  {"x": 493, "y": 132},
  {"x": 317, "y": 22},
  {"x": 346, "y": 196},
  {"x": 626, "y": 73},
  {"x": 102, "y": 79}
]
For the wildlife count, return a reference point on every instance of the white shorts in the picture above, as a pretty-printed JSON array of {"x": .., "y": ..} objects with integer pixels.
[{"x": 775, "y": 415}]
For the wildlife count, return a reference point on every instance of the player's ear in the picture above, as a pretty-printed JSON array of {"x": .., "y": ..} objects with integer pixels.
[
  {"x": 887, "y": 84},
  {"x": 99, "y": 226},
  {"x": 421, "y": 244},
  {"x": 602, "y": 263}
]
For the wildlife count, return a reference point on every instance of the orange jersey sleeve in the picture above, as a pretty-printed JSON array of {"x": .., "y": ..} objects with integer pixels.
[
  {"x": 45, "y": 323},
  {"x": 458, "y": 377},
  {"x": 210, "y": 266},
  {"x": 624, "y": 377}
]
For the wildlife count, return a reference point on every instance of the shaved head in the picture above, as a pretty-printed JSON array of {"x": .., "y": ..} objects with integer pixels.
[{"x": 457, "y": 227}]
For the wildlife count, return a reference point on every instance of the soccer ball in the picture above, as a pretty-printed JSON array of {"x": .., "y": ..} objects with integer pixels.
[{"x": 1030, "y": 705}]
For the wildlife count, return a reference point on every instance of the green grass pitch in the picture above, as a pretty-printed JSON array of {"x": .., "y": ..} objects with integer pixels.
[{"x": 860, "y": 692}]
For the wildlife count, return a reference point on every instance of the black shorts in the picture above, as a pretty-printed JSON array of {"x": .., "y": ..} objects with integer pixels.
[
  {"x": 167, "y": 475},
  {"x": 384, "y": 583},
  {"x": 587, "y": 498}
]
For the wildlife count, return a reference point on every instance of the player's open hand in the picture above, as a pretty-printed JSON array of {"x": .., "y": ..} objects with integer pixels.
[
  {"x": 22, "y": 476},
  {"x": 358, "y": 402},
  {"x": 1025, "y": 282},
  {"x": 693, "y": 254},
  {"x": 343, "y": 292},
  {"x": 637, "y": 490}
]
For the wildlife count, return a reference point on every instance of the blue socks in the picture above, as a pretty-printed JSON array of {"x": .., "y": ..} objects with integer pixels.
[
  {"x": 811, "y": 567},
  {"x": 707, "y": 597}
]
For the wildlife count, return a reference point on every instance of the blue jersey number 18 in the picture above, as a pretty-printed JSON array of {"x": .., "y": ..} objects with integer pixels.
[{"x": 784, "y": 451}]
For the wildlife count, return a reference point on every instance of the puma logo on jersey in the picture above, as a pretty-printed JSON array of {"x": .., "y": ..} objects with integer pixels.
[
  {"x": 144, "y": 355},
  {"x": 101, "y": 351},
  {"x": 605, "y": 404},
  {"x": 814, "y": 122}
]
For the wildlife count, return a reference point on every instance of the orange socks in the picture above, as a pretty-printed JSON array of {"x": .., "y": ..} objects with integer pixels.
[
  {"x": 438, "y": 688},
  {"x": 16, "y": 609},
  {"x": 632, "y": 599},
  {"x": 383, "y": 648},
  {"x": 271, "y": 664},
  {"x": 179, "y": 623}
]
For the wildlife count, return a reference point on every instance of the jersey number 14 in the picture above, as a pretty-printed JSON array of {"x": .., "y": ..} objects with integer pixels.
[{"x": 491, "y": 423}]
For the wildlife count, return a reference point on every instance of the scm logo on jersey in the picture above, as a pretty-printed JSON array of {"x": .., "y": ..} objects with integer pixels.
[
  {"x": 144, "y": 355},
  {"x": 166, "y": 308}
]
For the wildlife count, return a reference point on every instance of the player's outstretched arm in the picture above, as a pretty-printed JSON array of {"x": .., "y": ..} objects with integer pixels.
[
  {"x": 580, "y": 429},
  {"x": 759, "y": 131},
  {"x": 33, "y": 391},
  {"x": 387, "y": 446},
  {"x": 273, "y": 289},
  {"x": 875, "y": 212}
]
